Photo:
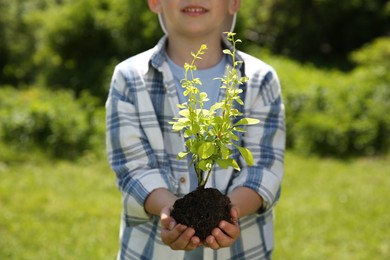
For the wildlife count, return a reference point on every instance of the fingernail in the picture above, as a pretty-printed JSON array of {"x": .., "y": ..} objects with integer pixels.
[{"x": 171, "y": 225}]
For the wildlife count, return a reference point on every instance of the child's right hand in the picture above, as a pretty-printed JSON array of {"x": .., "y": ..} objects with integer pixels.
[{"x": 177, "y": 236}]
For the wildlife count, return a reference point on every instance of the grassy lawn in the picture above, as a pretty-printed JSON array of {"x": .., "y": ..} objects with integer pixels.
[
  {"x": 58, "y": 210},
  {"x": 330, "y": 209},
  {"x": 333, "y": 209}
]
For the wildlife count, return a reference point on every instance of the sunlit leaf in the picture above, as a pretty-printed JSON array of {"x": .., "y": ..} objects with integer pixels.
[
  {"x": 206, "y": 150},
  {"x": 182, "y": 155},
  {"x": 218, "y": 120},
  {"x": 177, "y": 126},
  {"x": 195, "y": 129},
  {"x": 202, "y": 96},
  {"x": 225, "y": 152},
  {"x": 247, "y": 121},
  {"x": 225, "y": 163},
  {"x": 205, "y": 165},
  {"x": 216, "y": 106},
  {"x": 246, "y": 154},
  {"x": 183, "y": 105},
  {"x": 239, "y": 101},
  {"x": 233, "y": 137},
  {"x": 188, "y": 133},
  {"x": 184, "y": 112},
  {"x": 227, "y": 51},
  {"x": 239, "y": 129}
]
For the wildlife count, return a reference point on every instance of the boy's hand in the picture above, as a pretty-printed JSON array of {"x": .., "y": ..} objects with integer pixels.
[
  {"x": 226, "y": 233},
  {"x": 177, "y": 236}
]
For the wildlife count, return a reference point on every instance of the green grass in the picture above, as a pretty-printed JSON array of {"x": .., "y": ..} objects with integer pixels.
[
  {"x": 58, "y": 210},
  {"x": 333, "y": 209},
  {"x": 329, "y": 209}
]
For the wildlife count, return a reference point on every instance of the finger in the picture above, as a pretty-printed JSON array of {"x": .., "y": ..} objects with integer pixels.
[
  {"x": 211, "y": 242},
  {"x": 170, "y": 235},
  {"x": 224, "y": 236},
  {"x": 194, "y": 243},
  {"x": 232, "y": 230},
  {"x": 166, "y": 218},
  {"x": 183, "y": 241},
  {"x": 235, "y": 213},
  {"x": 221, "y": 238}
]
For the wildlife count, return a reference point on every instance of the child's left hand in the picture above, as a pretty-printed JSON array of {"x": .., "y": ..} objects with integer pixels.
[
  {"x": 177, "y": 236},
  {"x": 226, "y": 233}
]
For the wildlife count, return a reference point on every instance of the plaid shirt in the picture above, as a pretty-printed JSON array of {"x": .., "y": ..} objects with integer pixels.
[{"x": 142, "y": 149}]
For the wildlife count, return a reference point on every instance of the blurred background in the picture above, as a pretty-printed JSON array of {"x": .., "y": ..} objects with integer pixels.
[{"x": 58, "y": 198}]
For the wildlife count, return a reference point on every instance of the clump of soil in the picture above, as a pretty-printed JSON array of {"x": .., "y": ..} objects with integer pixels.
[{"x": 202, "y": 209}]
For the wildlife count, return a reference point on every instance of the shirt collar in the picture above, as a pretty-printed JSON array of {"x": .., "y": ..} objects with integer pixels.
[{"x": 159, "y": 54}]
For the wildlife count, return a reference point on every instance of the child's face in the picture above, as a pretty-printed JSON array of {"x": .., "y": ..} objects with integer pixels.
[{"x": 193, "y": 17}]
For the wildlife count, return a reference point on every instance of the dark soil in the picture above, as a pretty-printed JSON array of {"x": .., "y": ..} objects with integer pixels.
[{"x": 202, "y": 210}]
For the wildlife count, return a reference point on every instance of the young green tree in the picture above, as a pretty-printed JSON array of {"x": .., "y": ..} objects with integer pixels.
[{"x": 210, "y": 133}]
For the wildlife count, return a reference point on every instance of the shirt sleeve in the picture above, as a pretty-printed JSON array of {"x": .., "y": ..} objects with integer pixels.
[
  {"x": 129, "y": 148},
  {"x": 265, "y": 140}
]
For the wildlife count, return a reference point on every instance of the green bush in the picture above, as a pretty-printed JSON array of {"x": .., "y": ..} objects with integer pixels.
[
  {"x": 344, "y": 122},
  {"x": 71, "y": 44},
  {"x": 53, "y": 121},
  {"x": 338, "y": 114},
  {"x": 328, "y": 112},
  {"x": 323, "y": 31}
]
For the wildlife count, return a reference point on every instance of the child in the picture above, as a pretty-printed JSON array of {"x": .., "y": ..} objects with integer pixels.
[{"x": 142, "y": 147}]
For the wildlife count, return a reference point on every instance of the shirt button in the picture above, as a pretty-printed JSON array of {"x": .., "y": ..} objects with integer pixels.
[{"x": 182, "y": 180}]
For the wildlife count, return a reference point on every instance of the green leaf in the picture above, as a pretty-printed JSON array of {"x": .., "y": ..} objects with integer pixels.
[
  {"x": 224, "y": 164},
  {"x": 225, "y": 152},
  {"x": 183, "y": 105},
  {"x": 178, "y": 126},
  {"x": 205, "y": 113},
  {"x": 248, "y": 157},
  {"x": 216, "y": 106},
  {"x": 184, "y": 112},
  {"x": 197, "y": 81},
  {"x": 235, "y": 112},
  {"x": 187, "y": 133},
  {"x": 218, "y": 120},
  {"x": 244, "y": 79},
  {"x": 202, "y": 95},
  {"x": 227, "y": 51},
  {"x": 195, "y": 129},
  {"x": 206, "y": 150},
  {"x": 182, "y": 155},
  {"x": 239, "y": 101},
  {"x": 205, "y": 165},
  {"x": 239, "y": 129},
  {"x": 233, "y": 137},
  {"x": 247, "y": 121}
]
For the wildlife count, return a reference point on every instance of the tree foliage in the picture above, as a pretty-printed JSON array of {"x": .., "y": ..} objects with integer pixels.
[
  {"x": 74, "y": 44},
  {"x": 37, "y": 117},
  {"x": 340, "y": 114},
  {"x": 71, "y": 43},
  {"x": 320, "y": 31}
]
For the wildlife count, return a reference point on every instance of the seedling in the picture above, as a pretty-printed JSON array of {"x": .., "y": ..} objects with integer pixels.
[{"x": 210, "y": 133}]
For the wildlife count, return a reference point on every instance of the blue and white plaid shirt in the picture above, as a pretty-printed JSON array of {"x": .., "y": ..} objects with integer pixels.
[{"x": 142, "y": 149}]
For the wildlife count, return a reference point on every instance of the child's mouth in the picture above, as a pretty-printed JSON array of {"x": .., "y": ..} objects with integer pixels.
[{"x": 194, "y": 10}]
